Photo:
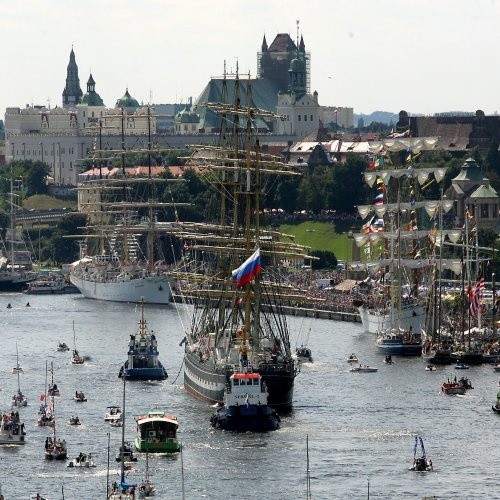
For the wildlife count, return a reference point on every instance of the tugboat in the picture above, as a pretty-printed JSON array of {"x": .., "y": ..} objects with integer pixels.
[
  {"x": 422, "y": 463},
  {"x": 157, "y": 433},
  {"x": 245, "y": 406},
  {"x": 352, "y": 358},
  {"x": 143, "y": 362}
]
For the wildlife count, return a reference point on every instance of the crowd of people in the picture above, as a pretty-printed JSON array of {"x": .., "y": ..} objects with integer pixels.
[{"x": 320, "y": 286}]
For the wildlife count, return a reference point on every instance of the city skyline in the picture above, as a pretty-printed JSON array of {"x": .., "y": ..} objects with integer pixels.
[{"x": 424, "y": 57}]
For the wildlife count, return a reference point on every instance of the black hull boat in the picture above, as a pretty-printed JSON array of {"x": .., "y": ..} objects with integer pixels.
[{"x": 245, "y": 407}]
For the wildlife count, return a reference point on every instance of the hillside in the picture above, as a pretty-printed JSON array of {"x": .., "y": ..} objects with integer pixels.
[
  {"x": 44, "y": 202},
  {"x": 320, "y": 236}
]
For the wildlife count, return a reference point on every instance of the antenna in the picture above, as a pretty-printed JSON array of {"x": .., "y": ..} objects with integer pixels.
[{"x": 297, "y": 37}]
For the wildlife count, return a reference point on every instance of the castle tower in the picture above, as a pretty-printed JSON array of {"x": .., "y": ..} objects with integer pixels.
[
  {"x": 72, "y": 93},
  {"x": 273, "y": 62}
]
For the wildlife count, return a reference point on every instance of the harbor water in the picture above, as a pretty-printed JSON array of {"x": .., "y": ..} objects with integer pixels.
[{"x": 361, "y": 426}]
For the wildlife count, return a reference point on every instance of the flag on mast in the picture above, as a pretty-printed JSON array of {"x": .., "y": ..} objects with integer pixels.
[{"x": 246, "y": 272}]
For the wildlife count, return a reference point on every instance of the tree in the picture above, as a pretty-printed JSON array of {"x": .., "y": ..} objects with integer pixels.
[
  {"x": 326, "y": 259},
  {"x": 36, "y": 177}
]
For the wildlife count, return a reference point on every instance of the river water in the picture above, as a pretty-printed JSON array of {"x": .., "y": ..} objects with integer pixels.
[{"x": 361, "y": 427}]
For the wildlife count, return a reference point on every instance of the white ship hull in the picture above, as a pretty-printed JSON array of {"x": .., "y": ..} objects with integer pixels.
[
  {"x": 375, "y": 321},
  {"x": 153, "y": 289}
]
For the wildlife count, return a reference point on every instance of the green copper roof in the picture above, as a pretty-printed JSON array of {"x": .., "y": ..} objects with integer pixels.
[
  {"x": 187, "y": 115},
  {"x": 470, "y": 171},
  {"x": 92, "y": 99},
  {"x": 484, "y": 192},
  {"x": 127, "y": 101}
]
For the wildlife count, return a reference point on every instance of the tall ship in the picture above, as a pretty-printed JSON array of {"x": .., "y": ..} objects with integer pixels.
[
  {"x": 235, "y": 267},
  {"x": 398, "y": 242},
  {"x": 124, "y": 253},
  {"x": 16, "y": 267}
]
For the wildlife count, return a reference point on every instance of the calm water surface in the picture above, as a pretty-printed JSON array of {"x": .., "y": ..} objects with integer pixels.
[{"x": 361, "y": 427}]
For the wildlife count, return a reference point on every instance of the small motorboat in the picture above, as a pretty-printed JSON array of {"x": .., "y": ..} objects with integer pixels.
[
  {"x": 388, "y": 360},
  {"x": 53, "y": 390},
  {"x": 496, "y": 367},
  {"x": 74, "y": 420},
  {"x": 462, "y": 366},
  {"x": 496, "y": 406},
  {"x": 11, "y": 429},
  {"x": 117, "y": 422},
  {"x": 82, "y": 460},
  {"x": 303, "y": 354},
  {"x": 431, "y": 368},
  {"x": 455, "y": 387},
  {"x": 79, "y": 397},
  {"x": 17, "y": 369},
  {"x": 113, "y": 413},
  {"x": 19, "y": 399},
  {"x": 62, "y": 347},
  {"x": 127, "y": 452},
  {"x": 352, "y": 358},
  {"x": 422, "y": 463},
  {"x": 363, "y": 369}
]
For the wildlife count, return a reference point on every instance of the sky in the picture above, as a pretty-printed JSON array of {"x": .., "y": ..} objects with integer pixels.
[{"x": 425, "y": 56}]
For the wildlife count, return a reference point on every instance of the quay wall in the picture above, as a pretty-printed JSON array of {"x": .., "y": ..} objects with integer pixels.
[{"x": 303, "y": 311}]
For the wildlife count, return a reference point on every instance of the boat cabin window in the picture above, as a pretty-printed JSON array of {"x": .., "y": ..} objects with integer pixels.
[
  {"x": 236, "y": 381},
  {"x": 255, "y": 381}
]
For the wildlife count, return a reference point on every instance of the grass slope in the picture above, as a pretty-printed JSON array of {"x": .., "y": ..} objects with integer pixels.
[
  {"x": 320, "y": 236},
  {"x": 44, "y": 202}
]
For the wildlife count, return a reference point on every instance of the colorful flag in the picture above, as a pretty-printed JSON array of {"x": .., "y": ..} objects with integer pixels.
[
  {"x": 368, "y": 228},
  {"x": 247, "y": 270},
  {"x": 476, "y": 293},
  {"x": 379, "y": 199}
]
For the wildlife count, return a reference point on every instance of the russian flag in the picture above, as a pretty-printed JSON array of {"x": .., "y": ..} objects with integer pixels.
[{"x": 247, "y": 270}]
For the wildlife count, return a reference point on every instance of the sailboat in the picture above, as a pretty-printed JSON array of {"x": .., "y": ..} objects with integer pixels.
[
  {"x": 16, "y": 269},
  {"x": 18, "y": 399},
  {"x": 394, "y": 309},
  {"x": 146, "y": 487},
  {"x": 234, "y": 276},
  {"x": 17, "y": 368},
  {"x": 44, "y": 412},
  {"x": 123, "y": 259},
  {"x": 76, "y": 359},
  {"x": 123, "y": 490},
  {"x": 55, "y": 448}
]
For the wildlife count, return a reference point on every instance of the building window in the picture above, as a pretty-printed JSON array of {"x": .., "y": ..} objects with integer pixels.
[
  {"x": 305, "y": 118},
  {"x": 312, "y": 118},
  {"x": 299, "y": 117},
  {"x": 484, "y": 210}
]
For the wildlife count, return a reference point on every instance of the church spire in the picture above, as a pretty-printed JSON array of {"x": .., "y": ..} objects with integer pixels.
[
  {"x": 264, "y": 44},
  {"x": 302, "y": 45},
  {"x": 72, "y": 93}
]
